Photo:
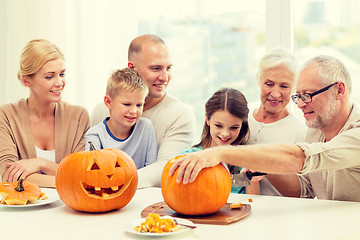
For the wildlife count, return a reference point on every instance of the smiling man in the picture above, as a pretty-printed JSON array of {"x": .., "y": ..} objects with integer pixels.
[
  {"x": 173, "y": 121},
  {"x": 328, "y": 165}
]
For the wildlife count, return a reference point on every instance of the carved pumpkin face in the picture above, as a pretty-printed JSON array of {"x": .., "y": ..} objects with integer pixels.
[{"x": 97, "y": 181}]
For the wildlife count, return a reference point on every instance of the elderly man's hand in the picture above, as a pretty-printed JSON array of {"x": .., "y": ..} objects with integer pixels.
[{"x": 191, "y": 164}]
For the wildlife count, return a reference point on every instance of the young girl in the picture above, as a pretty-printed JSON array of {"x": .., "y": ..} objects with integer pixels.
[{"x": 226, "y": 123}]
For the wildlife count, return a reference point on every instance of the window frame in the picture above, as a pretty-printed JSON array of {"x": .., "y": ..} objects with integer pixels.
[{"x": 279, "y": 26}]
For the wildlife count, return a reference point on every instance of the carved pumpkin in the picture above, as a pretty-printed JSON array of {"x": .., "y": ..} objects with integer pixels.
[
  {"x": 97, "y": 181},
  {"x": 207, "y": 194},
  {"x": 19, "y": 192}
]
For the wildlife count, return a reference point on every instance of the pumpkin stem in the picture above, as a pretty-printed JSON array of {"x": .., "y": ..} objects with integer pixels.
[
  {"x": 20, "y": 185},
  {"x": 92, "y": 148}
]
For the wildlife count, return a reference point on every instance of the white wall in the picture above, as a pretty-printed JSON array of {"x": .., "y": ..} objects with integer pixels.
[{"x": 94, "y": 36}]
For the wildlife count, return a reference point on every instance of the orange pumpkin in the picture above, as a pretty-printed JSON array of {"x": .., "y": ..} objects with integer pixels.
[
  {"x": 97, "y": 181},
  {"x": 206, "y": 195},
  {"x": 19, "y": 192}
]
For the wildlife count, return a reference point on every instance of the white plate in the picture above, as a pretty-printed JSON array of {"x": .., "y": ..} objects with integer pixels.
[
  {"x": 130, "y": 228},
  {"x": 51, "y": 193}
]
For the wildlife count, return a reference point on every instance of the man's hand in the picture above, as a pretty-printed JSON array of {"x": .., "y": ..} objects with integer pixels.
[
  {"x": 191, "y": 164},
  {"x": 254, "y": 178}
]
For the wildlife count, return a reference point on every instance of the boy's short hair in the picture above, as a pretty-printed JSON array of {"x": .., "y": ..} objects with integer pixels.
[{"x": 125, "y": 79}]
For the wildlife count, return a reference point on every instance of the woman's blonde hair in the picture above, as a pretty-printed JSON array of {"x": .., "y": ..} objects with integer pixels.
[{"x": 35, "y": 54}]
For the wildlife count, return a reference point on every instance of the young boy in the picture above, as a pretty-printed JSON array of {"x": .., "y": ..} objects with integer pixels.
[{"x": 125, "y": 129}]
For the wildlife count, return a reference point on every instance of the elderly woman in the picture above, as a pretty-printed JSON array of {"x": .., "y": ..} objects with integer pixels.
[
  {"x": 37, "y": 132},
  {"x": 272, "y": 122}
]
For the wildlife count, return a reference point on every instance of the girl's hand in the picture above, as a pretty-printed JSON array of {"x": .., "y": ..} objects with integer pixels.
[
  {"x": 22, "y": 169},
  {"x": 192, "y": 163}
]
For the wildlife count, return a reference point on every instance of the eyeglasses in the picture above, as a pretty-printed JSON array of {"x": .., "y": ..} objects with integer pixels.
[{"x": 307, "y": 97}]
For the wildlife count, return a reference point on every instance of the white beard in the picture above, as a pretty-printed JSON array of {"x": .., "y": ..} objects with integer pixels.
[{"x": 326, "y": 116}]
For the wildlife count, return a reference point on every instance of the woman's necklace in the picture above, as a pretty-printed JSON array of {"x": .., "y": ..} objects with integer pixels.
[
  {"x": 259, "y": 130},
  {"x": 265, "y": 119}
]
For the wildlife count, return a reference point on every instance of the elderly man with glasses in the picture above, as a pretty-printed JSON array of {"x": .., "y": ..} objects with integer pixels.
[{"x": 327, "y": 165}]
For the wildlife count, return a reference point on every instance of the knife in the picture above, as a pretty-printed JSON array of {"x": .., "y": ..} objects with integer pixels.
[{"x": 243, "y": 179}]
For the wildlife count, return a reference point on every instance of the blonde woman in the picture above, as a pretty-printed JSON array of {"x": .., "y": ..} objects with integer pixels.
[{"x": 37, "y": 132}]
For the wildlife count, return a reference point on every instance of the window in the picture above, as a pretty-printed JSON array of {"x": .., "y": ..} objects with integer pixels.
[
  {"x": 213, "y": 44},
  {"x": 330, "y": 28}
]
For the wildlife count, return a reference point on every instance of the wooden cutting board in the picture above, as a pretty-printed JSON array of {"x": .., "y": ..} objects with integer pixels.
[{"x": 222, "y": 217}]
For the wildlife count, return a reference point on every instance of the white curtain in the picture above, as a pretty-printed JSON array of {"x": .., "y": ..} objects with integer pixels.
[{"x": 94, "y": 36}]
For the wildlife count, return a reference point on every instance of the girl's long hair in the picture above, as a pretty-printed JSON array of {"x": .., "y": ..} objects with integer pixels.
[{"x": 232, "y": 101}]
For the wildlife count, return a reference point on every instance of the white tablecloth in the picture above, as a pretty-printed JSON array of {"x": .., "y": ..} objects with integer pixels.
[{"x": 270, "y": 218}]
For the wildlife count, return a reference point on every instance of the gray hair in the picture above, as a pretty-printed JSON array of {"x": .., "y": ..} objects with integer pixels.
[
  {"x": 330, "y": 70},
  {"x": 278, "y": 57}
]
